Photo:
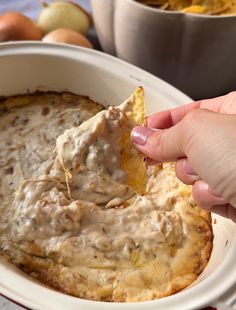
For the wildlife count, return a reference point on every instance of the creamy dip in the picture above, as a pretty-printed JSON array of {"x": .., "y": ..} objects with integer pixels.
[
  {"x": 91, "y": 154},
  {"x": 98, "y": 240}
]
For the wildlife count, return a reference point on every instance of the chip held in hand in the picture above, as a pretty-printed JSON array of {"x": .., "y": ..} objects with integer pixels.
[
  {"x": 133, "y": 162},
  {"x": 99, "y": 157}
]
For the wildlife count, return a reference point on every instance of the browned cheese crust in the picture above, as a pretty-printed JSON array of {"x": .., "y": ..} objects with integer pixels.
[{"x": 153, "y": 246}]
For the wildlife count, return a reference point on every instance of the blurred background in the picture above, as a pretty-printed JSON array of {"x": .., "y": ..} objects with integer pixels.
[{"x": 30, "y": 7}]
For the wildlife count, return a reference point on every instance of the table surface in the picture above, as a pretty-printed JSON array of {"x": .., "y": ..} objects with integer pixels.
[{"x": 31, "y": 9}]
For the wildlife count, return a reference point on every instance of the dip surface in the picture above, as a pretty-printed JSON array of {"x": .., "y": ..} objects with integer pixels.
[{"x": 144, "y": 248}]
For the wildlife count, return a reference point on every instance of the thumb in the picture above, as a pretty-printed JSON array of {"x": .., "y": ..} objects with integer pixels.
[{"x": 159, "y": 145}]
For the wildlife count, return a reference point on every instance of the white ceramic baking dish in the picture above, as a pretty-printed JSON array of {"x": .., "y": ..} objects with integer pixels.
[{"x": 26, "y": 67}]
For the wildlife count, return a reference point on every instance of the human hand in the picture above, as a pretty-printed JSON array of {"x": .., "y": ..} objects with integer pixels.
[{"x": 201, "y": 138}]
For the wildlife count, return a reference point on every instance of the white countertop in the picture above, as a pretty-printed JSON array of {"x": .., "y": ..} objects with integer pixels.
[{"x": 31, "y": 9}]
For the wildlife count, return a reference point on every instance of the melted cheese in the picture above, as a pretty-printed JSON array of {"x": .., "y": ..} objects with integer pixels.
[{"x": 150, "y": 247}]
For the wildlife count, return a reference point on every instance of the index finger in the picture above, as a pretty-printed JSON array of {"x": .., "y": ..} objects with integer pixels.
[{"x": 168, "y": 118}]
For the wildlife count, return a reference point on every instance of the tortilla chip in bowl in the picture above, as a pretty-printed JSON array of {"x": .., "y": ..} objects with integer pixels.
[{"x": 185, "y": 46}]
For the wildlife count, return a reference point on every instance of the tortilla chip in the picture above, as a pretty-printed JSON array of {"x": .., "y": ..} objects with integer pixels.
[
  {"x": 133, "y": 162},
  {"x": 212, "y": 7},
  {"x": 179, "y": 4},
  {"x": 196, "y": 9},
  {"x": 113, "y": 127}
]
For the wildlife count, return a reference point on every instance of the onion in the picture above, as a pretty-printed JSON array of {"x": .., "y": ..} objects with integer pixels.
[
  {"x": 15, "y": 26},
  {"x": 67, "y": 15},
  {"x": 67, "y": 36}
]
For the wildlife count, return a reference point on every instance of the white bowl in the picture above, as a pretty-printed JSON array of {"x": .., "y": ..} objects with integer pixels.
[
  {"x": 26, "y": 67},
  {"x": 196, "y": 53}
]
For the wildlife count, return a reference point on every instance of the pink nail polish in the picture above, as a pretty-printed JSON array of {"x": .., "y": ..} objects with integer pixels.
[
  {"x": 188, "y": 169},
  {"x": 139, "y": 135}
]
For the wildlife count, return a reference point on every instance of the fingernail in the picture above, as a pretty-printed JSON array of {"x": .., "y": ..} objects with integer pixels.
[
  {"x": 205, "y": 187},
  {"x": 188, "y": 169},
  {"x": 139, "y": 134},
  {"x": 210, "y": 190}
]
